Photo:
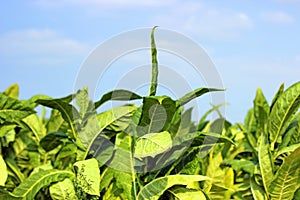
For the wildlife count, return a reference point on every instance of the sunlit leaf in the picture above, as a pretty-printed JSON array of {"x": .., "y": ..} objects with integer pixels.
[{"x": 287, "y": 178}]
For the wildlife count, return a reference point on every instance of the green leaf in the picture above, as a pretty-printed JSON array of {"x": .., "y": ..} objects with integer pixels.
[
  {"x": 119, "y": 95},
  {"x": 121, "y": 181},
  {"x": 63, "y": 190},
  {"x": 83, "y": 102},
  {"x": 52, "y": 140},
  {"x": 3, "y": 170},
  {"x": 6, "y": 128},
  {"x": 196, "y": 93},
  {"x": 265, "y": 162},
  {"x": 157, "y": 187},
  {"x": 283, "y": 111},
  {"x": 6, "y": 195},
  {"x": 13, "y": 110},
  {"x": 35, "y": 125},
  {"x": 125, "y": 183},
  {"x": 153, "y": 83},
  {"x": 13, "y": 91},
  {"x": 55, "y": 121},
  {"x": 181, "y": 193},
  {"x": 157, "y": 114},
  {"x": 257, "y": 192},
  {"x": 287, "y": 178},
  {"x": 152, "y": 144},
  {"x": 14, "y": 168},
  {"x": 69, "y": 113},
  {"x": 90, "y": 135},
  {"x": 186, "y": 122},
  {"x": 250, "y": 122},
  {"x": 287, "y": 149},
  {"x": 297, "y": 194},
  {"x": 261, "y": 109},
  {"x": 215, "y": 172},
  {"x": 238, "y": 165},
  {"x": 88, "y": 176},
  {"x": 204, "y": 138},
  {"x": 35, "y": 182},
  {"x": 277, "y": 95}
]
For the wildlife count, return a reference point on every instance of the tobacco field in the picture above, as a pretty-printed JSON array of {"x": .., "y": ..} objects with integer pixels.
[{"x": 149, "y": 151}]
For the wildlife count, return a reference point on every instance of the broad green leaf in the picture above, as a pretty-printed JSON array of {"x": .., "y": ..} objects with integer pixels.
[
  {"x": 287, "y": 149},
  {"x": 214, "y": 171},
  {"x": 241, "y": 165},
  {"x": 83, "y": 102},
  {"x": 88, "y": 176},
  {"x": 55, "y": 121},
  {"x": 14, "y": 168},
  {"x": 29, "y": 188},
  {"x": 196, "y": 93},
  {"x": 5, "y": 128},
  {"x": 13, "y": 110},
  {"x": 121, "y": 182},
  {"x": 287, "y": 178},
  {"x": 153, "y": 83},
  {"x": 118, "y": 95},
  {"x": 6, "y": 195},
  {"x": 289, "y": 135},
  {"x": 186, "y": 122},
  {"x": 228, "y": 183},
  {"x": 217, "y": 126},
  {"x": 157, "y": 187},
  {"x": 157, "y": 114},
  {"x": 174, "y": 125},
  {"x": 152, "y": 144},
  {"x": 106, "y": 177},
  {"x": 46, "y": 166},
  {"x": 277, "y": 95},
  {"x": 261, "y": 109},
  {"x": 13, "y": 91},
  {"x": 3, "y": 170},
  {"x": 297, "y": 195},
  {"x": 124, "y": 181},
  {"x": 189, "y": 163},
  {"x": 66, "y": 156},
  {"x": 35, "y": 125},
  {"x": 90, "y": 134},
  {"x": 205, "y": 138},
  {"x": 257, "y": 192},
  {"x": 68, "y": 112},
  {"x": 177, "y": 155},
  {"x": 265, "y": 162},
  {"x": 250, "y": 122},
  {"x": 63, "y": 190},
  {"x": 283, "y": 111},
  {"x": 181, "y": 193},
  {"x": 52, "y": 140},
  {"x": 123, "y": 165}
]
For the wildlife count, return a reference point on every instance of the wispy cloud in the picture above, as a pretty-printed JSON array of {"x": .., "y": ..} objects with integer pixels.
[
  {"x": 277, "y": 17},
  {"x": 36, "y": 41}
]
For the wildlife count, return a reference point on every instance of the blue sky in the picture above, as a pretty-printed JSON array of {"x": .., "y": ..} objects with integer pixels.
[{"x": 252, "y": 43}]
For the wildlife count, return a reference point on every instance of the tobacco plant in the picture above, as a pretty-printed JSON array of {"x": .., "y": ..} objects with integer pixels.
[{"x": 151, "y": 151}]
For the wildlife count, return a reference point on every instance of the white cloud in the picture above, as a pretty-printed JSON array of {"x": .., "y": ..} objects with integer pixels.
[
  {"x": 201, "y": 20},
  {"x": 35, "y": 41},
  {"x": 277, "y": 17}
]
